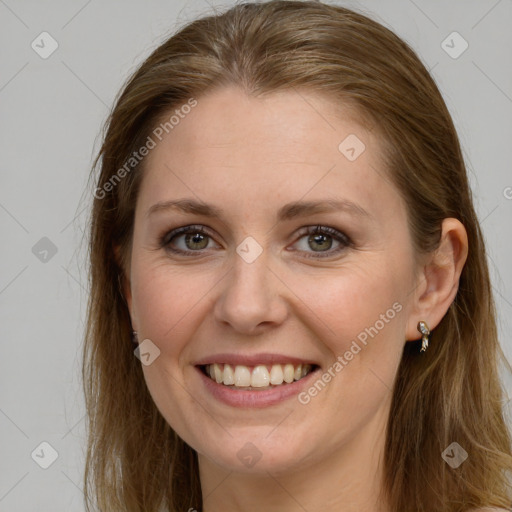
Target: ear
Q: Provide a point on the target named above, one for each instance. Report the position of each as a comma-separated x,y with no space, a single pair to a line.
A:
124,281
438,281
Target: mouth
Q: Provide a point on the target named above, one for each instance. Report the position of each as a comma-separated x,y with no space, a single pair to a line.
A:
259,377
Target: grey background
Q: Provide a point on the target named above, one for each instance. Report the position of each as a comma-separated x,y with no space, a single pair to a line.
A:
51,112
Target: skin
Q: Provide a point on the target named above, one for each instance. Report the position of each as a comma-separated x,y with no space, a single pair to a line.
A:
250,156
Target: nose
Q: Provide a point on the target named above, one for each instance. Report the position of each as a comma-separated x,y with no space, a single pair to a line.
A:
251,296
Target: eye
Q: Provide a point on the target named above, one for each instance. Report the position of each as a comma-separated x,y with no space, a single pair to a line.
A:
194,239
320,239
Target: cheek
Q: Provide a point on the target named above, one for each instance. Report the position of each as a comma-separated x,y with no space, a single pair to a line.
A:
166,301
361,317
354,300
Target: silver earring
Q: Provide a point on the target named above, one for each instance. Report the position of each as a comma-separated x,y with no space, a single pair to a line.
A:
425,333
135,339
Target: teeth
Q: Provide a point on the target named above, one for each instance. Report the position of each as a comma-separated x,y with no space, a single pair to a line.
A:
288,373
276,375
259,376
218,373
242,376
229,375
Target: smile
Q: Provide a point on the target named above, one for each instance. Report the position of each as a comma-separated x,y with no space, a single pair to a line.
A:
256,377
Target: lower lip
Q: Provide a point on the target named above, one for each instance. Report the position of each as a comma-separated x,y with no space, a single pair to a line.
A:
230,395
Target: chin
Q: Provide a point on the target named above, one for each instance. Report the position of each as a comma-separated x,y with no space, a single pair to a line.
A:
256,454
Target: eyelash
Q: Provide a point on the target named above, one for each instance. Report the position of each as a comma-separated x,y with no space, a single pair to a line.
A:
166,239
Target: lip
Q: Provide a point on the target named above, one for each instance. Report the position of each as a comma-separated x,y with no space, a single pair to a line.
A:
229,395
252,360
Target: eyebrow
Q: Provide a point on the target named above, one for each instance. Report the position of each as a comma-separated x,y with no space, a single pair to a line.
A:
287,212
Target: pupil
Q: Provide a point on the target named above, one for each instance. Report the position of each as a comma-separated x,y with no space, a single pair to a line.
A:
196,238
319,238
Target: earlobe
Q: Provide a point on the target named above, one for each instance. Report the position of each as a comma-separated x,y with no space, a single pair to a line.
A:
440,278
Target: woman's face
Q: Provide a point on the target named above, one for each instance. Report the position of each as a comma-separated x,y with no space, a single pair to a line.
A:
256,291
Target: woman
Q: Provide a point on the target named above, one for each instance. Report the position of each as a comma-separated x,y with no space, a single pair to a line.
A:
283,224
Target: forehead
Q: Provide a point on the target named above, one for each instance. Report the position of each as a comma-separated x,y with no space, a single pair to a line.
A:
280,147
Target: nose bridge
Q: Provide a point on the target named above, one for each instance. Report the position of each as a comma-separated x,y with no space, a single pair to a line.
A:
250,294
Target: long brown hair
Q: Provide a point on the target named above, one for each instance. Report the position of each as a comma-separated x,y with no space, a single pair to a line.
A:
135,461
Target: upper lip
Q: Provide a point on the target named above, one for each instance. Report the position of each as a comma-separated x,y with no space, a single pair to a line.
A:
252,359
